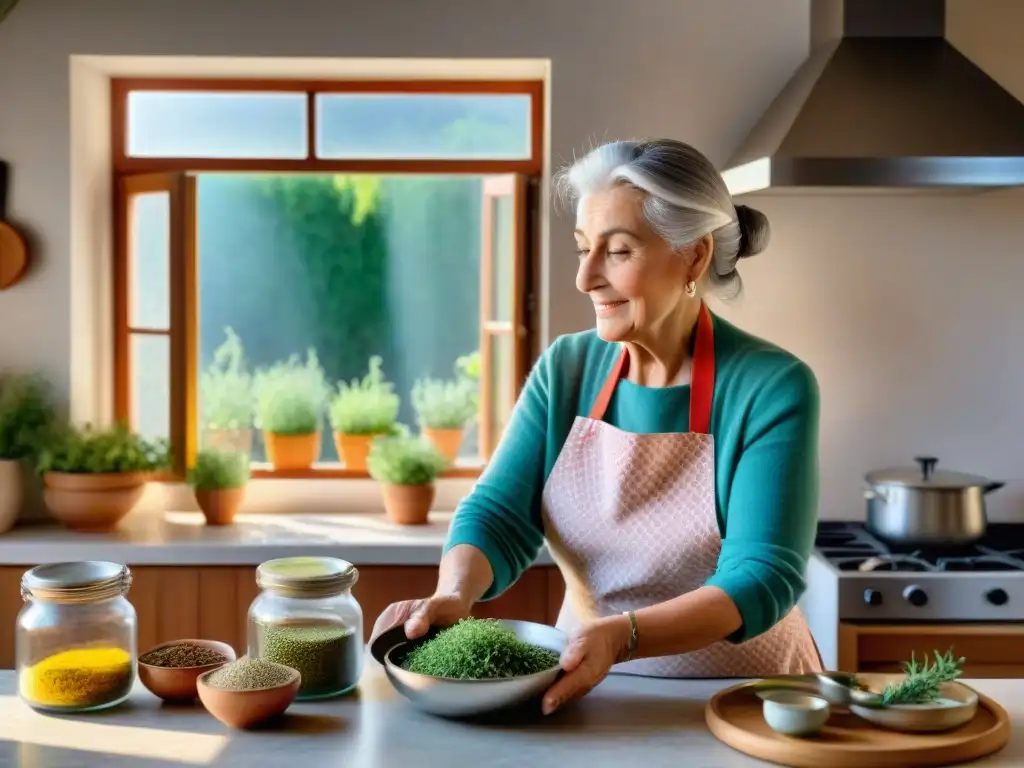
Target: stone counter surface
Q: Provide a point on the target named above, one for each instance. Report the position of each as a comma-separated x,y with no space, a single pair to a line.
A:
182,538
625,722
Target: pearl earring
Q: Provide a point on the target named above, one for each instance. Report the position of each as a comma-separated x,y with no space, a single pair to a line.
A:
691,289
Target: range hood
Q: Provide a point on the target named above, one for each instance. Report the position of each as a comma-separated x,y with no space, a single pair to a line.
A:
883,102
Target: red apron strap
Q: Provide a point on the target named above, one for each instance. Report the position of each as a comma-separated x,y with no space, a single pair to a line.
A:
702,378
702,385
619,371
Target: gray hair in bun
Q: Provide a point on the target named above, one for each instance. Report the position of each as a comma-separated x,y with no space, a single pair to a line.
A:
686,199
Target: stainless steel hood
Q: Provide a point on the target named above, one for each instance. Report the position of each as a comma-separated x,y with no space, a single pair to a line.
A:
887,102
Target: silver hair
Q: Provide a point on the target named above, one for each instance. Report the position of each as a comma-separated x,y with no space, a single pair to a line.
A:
685,199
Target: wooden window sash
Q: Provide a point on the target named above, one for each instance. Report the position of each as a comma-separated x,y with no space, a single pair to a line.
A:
181,192
516,187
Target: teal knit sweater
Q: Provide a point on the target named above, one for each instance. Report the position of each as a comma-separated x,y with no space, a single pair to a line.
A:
765,423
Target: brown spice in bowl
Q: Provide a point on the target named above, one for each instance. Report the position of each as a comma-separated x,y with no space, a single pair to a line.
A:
182,655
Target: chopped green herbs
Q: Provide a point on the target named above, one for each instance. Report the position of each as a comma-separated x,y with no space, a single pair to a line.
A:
924,680
478,649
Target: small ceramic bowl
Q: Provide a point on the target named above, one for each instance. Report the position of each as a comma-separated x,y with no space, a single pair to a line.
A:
793,713
247,708
179,683
958,706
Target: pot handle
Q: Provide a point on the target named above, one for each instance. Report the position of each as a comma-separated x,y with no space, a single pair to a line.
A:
927,465
993,486
870,492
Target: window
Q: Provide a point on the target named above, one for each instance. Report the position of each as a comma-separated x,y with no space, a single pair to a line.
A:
325,224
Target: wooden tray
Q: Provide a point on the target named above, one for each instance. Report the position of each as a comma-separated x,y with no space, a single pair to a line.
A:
734,716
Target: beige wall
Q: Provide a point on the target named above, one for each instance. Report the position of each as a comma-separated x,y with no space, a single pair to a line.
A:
903,306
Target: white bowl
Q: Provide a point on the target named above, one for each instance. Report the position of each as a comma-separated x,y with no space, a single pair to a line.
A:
793,713
958,706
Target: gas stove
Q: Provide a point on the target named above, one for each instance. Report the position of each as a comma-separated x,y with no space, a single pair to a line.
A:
874,581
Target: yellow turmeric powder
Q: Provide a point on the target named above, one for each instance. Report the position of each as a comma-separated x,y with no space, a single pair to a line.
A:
82,678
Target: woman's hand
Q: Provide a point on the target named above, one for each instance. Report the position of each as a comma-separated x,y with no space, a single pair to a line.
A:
588,658
419,615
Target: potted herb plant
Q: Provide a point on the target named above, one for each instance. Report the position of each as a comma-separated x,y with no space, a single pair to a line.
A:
94,476
443,409
406,468
226,398
218,480
290,398
361,411
27,415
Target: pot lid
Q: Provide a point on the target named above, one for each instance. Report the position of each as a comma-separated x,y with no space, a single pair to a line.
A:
925,476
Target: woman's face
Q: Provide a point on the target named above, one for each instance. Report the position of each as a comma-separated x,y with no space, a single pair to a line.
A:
635,279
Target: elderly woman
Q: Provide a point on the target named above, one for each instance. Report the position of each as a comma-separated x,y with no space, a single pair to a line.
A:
668,458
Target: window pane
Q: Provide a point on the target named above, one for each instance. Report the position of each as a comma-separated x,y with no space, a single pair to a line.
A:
350,265
503,254
216,124
149,261
151,385
423,126
502,361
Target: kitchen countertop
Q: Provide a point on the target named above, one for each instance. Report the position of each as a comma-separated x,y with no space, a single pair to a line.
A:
623,721
182,538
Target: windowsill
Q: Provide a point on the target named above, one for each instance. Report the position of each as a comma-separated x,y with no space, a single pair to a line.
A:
330,470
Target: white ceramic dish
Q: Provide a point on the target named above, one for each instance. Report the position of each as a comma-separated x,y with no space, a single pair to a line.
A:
793,713
957,707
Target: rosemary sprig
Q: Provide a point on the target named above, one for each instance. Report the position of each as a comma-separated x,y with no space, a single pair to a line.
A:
923,681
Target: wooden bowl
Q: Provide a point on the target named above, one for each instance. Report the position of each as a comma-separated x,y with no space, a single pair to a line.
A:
179,683
247,708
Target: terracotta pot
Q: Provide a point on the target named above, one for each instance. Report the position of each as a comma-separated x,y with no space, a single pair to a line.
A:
407,504
12,493
353,449
247,708
447,441
229,440
292,451
97,502
221,505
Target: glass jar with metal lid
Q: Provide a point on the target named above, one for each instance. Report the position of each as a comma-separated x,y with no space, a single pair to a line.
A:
75,637
306,618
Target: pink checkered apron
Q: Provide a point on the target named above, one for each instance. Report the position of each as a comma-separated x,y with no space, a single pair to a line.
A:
630,520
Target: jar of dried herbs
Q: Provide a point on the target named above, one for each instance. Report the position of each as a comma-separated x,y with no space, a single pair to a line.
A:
306,618
75,637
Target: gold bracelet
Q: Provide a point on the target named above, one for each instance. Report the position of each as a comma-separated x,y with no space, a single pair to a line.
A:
634,635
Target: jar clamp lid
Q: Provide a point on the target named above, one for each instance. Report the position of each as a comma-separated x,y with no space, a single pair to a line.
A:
86,581
307,576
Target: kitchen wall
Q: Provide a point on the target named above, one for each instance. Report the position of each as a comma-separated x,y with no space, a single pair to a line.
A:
904,306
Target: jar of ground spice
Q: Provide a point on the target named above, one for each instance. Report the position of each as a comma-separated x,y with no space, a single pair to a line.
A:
75,637
306,618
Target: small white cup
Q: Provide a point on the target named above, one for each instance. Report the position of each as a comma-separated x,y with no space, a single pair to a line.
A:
793,713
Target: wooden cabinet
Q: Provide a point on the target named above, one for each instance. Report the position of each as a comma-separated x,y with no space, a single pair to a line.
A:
990,650
211,603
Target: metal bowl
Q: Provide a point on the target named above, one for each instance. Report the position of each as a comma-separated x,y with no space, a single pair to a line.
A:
449,697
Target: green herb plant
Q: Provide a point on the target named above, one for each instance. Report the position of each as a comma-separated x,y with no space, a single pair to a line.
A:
404,460
218,470
923,681
468,366
443,404
368,406
290,396
103,450
27,416
478,649
226,387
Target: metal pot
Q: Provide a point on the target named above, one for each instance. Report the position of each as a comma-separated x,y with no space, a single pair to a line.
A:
922,506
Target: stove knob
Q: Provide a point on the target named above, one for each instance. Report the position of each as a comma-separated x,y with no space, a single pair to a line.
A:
997,596
872,597
915,596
